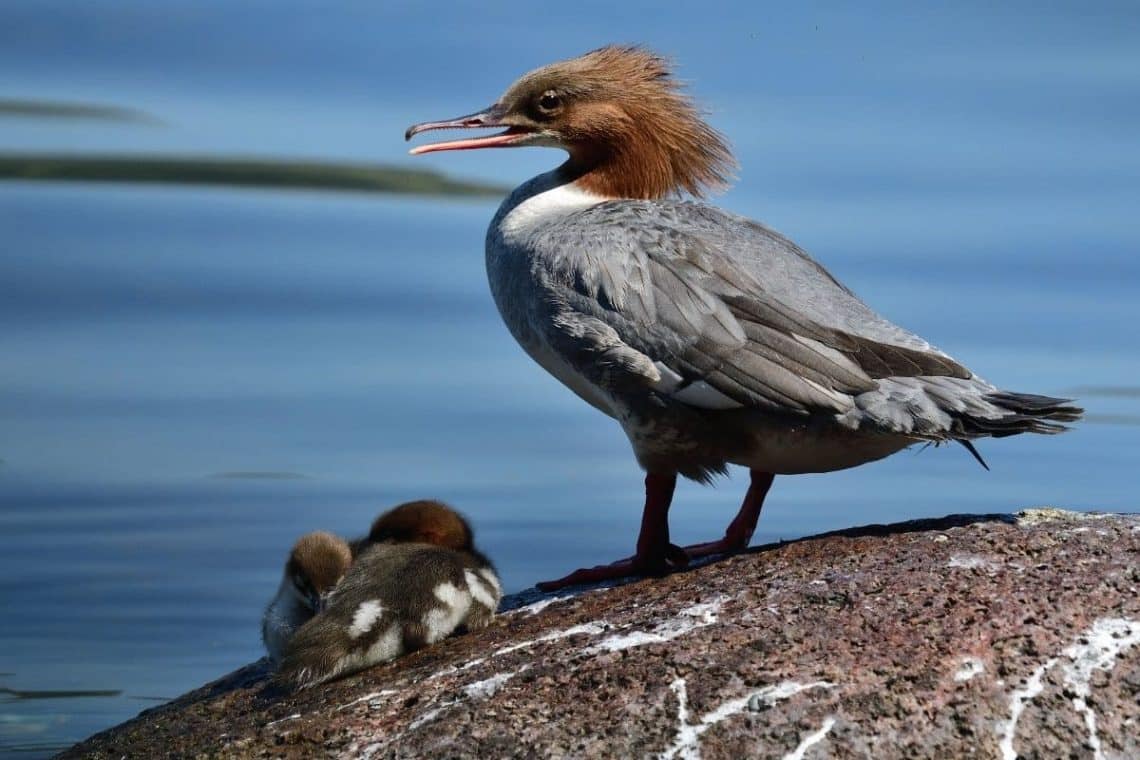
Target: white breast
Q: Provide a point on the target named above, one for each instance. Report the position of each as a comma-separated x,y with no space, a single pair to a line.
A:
536,203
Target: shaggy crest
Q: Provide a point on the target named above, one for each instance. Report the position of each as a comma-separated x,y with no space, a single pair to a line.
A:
631,130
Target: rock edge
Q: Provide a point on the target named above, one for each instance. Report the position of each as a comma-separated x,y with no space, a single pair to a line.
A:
997,636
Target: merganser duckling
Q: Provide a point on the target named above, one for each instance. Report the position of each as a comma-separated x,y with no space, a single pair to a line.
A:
423,522
417,581
316,563
710,338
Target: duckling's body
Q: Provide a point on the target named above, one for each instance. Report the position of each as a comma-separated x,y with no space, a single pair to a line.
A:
316,564
397,597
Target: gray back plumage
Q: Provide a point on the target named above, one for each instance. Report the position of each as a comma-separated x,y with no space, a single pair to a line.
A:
679,304
722,299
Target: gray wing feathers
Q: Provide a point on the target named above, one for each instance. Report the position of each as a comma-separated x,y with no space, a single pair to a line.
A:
587,341
677,288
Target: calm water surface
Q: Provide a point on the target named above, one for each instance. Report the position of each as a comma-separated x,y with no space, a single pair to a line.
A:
191,378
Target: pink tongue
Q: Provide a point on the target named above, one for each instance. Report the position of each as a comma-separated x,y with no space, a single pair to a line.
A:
501,140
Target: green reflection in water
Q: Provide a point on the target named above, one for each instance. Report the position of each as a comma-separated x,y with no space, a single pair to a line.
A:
55,109
240,172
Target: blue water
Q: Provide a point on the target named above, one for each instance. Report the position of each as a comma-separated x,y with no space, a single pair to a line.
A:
190,378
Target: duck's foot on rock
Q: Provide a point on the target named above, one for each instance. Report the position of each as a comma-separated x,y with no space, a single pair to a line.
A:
673,558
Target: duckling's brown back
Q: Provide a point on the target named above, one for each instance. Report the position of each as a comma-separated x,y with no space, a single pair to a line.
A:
396,598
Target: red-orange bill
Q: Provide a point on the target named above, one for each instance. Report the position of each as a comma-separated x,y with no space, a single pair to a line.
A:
480,120
501,140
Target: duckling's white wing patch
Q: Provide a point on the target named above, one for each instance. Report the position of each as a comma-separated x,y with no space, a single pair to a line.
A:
441,621
492,579
365,617
481,590
388,646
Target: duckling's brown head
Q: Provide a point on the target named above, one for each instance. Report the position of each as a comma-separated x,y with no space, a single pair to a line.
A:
317,562
424,522
629,128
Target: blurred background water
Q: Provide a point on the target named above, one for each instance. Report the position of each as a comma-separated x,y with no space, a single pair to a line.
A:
191,377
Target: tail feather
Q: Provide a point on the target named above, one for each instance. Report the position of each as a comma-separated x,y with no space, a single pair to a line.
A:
322,650
1027,413
309,661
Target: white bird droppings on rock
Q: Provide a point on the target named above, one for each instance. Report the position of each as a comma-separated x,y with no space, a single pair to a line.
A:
1017,702
686,744
592,628
1096,649
970,562
687,621
488,686
812,739
970,667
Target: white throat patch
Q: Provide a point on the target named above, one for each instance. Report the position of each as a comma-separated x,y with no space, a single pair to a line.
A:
535,202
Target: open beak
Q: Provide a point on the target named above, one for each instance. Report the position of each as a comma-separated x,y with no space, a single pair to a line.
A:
492,117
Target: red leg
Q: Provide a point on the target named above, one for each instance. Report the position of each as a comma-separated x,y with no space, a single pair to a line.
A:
740,530
655,555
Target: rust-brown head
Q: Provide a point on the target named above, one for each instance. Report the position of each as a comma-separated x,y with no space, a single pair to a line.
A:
316,564
630,130
422,522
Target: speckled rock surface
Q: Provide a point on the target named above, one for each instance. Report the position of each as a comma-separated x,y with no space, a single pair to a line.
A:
987,636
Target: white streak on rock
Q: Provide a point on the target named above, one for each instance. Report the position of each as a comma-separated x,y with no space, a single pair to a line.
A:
368,752
1096,650
687,742
294,716
1017,702
592,628
488,686
970,562
770,695
428,716
687,621
810,740
970,667
367,698
536,607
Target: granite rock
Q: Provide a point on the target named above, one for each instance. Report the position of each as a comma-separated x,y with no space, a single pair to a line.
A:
991,636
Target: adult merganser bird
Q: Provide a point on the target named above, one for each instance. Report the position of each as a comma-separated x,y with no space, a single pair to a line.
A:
417,580
316,563
710,338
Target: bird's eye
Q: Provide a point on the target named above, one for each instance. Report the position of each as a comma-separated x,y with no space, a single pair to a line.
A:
549,100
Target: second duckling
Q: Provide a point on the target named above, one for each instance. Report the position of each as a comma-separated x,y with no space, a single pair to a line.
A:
316,563
417,580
